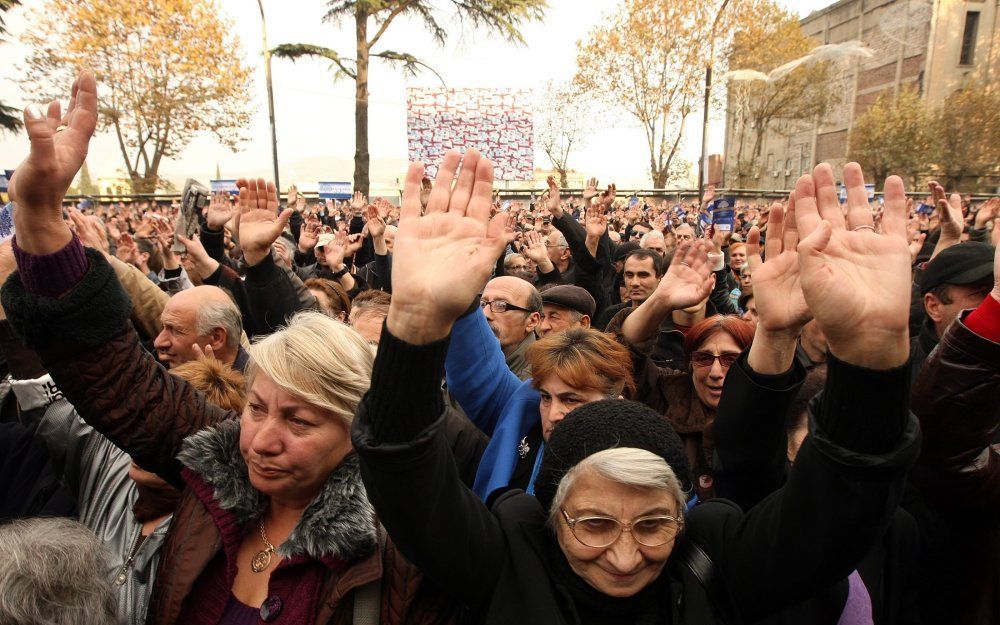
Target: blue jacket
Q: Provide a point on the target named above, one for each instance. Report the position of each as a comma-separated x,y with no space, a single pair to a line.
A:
501,405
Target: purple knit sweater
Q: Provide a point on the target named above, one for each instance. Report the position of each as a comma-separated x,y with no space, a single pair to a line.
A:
54,274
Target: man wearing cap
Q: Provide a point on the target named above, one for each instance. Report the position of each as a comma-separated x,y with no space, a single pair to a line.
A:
565,307
957,279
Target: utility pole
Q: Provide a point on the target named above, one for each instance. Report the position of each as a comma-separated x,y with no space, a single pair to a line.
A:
708,95
270,97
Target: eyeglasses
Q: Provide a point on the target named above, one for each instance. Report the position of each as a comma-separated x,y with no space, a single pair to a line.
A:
499,306
599,532
707,359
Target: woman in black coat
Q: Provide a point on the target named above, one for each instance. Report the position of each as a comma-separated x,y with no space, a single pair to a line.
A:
564,556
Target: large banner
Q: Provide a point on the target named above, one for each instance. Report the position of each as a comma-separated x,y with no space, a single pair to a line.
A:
498,122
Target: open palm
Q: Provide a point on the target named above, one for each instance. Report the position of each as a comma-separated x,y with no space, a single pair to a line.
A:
260,223
777,283
58,148
856,282
689,280
442,260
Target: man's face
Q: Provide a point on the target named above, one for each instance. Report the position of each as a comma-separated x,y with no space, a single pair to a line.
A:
558,318
639,231
174,342
557,252
368,324
962,296
510,326
640,279
751,312
684,234
657,245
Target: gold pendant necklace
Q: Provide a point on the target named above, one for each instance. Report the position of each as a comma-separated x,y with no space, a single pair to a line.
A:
262,560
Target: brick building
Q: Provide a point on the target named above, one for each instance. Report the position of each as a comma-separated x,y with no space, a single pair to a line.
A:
933,45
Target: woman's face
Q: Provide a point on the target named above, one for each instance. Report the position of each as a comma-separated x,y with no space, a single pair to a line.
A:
625,567
290,447
558,398
708,379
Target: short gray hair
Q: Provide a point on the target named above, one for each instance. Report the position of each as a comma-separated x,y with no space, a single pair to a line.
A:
626,465
652,234
55,572
219,314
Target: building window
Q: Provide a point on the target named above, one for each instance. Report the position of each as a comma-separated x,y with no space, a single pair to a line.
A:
968,56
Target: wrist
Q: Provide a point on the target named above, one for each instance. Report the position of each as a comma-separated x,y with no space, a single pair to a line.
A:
416,326
42,237
253,256
873,349
772,351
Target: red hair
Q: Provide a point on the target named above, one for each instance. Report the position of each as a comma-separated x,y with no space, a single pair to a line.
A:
741,331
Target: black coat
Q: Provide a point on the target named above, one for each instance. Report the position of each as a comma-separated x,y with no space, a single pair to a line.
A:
501,563
751,463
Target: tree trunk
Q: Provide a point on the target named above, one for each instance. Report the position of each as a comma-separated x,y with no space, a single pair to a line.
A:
361,157
563,181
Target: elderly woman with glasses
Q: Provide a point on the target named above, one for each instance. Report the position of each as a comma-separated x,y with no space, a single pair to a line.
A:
606,539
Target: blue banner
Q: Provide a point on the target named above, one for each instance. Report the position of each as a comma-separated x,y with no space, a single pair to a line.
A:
869,187
4,181
723,213
925,209
223,186
335,190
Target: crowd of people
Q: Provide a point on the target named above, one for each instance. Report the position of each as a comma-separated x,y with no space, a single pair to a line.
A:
459,409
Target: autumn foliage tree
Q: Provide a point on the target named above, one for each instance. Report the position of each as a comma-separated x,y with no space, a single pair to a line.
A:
562,122
372,18
650,60
9,117
763,44
893,136
966,135
168,69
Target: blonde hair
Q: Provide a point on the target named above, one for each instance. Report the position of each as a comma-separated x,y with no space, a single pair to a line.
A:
221,384
318,359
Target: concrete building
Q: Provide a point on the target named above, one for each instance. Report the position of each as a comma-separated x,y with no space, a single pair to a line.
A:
934,45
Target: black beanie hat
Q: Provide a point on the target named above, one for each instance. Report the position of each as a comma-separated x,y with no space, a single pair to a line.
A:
604,425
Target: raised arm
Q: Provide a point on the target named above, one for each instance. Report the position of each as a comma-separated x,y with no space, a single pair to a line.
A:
749,426
443,260
848,477
67,304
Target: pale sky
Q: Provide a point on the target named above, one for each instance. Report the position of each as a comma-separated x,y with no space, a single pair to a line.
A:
315,117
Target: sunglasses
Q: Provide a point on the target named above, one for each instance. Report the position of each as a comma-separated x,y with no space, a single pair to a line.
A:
707,359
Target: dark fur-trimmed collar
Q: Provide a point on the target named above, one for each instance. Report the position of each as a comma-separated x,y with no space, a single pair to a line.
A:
339,523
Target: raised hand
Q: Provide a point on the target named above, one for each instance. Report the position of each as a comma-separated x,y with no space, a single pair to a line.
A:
709,196
204,264
358,202
534,247
856,282
89,230
59,145
260,224
606,198
354,243
597,222
689,280
987,212
376,224
219,212
590,190
777,283
309,235
949,212
443,259
553,203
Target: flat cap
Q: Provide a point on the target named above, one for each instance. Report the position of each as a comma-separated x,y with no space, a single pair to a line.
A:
572,297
